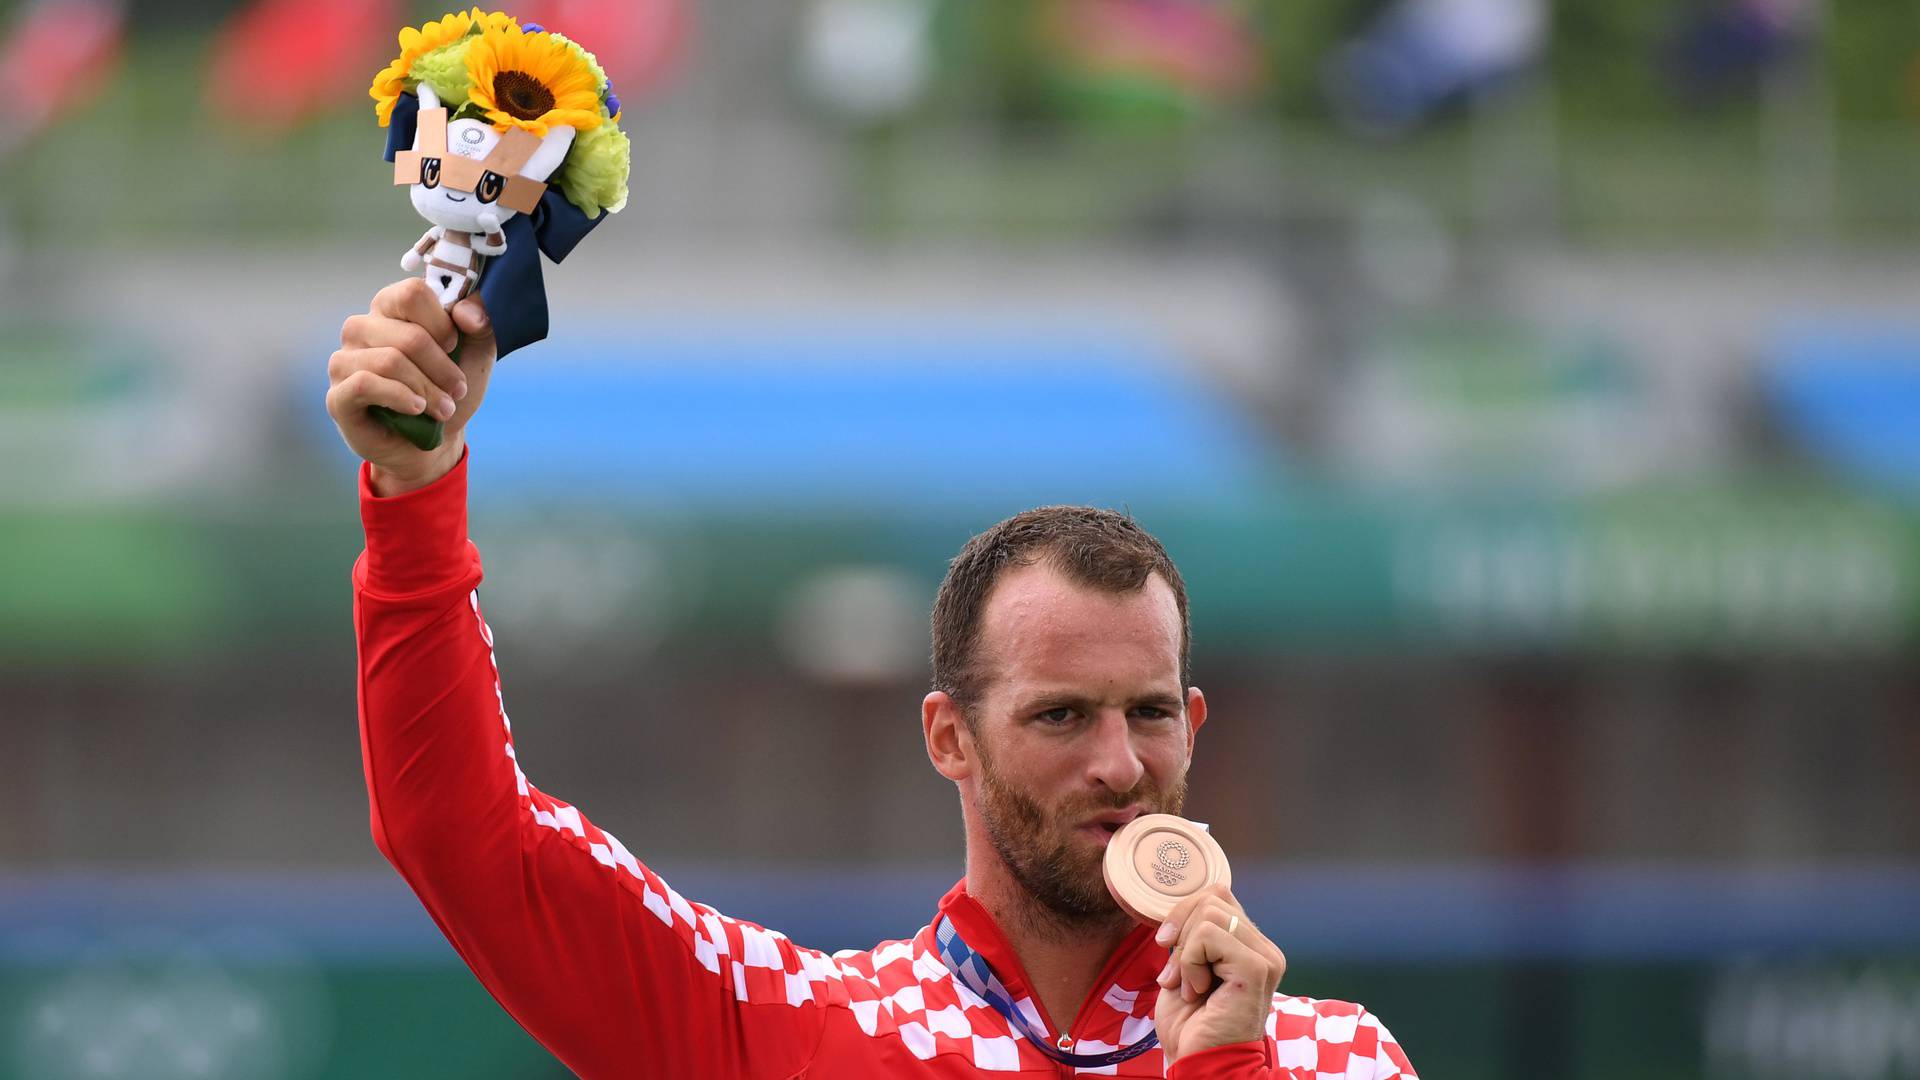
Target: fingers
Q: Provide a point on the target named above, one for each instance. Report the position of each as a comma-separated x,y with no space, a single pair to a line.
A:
1185,911
476,329
1207,945
413,340
1210,955
392,365
1191,970
423,345
413,301
1209,932
350,397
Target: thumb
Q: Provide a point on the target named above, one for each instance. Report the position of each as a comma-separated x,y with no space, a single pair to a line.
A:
476,329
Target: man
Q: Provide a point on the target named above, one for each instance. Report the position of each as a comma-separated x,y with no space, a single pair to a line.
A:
1061,710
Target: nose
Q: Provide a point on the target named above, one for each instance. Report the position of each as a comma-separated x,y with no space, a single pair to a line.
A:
1112,759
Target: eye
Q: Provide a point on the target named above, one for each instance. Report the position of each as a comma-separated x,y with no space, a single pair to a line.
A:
1058,715
491,184
1152,712
430,172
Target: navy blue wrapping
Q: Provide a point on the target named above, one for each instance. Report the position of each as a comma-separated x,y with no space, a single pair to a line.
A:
511,284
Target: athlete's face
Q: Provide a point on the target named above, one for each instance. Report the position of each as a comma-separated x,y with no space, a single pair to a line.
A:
1082,725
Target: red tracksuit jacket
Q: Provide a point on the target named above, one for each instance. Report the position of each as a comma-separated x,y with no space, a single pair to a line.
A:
619,975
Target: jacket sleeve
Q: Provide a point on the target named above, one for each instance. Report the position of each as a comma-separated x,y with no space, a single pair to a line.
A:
1349,1043
584,946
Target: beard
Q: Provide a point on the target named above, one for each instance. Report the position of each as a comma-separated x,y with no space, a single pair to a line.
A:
1059,872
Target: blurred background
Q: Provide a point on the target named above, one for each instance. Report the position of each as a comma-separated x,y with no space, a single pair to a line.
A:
1529,392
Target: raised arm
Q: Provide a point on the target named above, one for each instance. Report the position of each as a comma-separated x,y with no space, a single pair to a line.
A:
588,949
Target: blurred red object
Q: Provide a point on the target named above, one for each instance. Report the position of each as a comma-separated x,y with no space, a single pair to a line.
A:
637,41
57,57
1201,47
278,62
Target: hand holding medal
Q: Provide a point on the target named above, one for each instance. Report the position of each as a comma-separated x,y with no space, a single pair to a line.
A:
1217,988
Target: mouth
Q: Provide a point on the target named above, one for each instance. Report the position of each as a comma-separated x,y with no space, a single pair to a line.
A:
1102,827
451,197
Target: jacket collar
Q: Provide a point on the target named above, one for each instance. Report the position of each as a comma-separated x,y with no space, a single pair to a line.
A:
1127,978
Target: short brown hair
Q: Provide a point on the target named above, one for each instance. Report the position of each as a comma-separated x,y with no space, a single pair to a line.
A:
1099,549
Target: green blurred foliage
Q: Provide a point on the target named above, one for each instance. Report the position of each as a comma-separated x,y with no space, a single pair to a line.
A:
1873,61
1605,61
1296,38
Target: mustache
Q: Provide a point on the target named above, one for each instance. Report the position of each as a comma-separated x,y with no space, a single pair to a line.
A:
1145,794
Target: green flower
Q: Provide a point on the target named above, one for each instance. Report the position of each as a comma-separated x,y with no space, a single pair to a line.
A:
445,69
595,175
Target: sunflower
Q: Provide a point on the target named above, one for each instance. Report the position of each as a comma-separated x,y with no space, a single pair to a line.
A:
414,43
492,20
581,54
531,81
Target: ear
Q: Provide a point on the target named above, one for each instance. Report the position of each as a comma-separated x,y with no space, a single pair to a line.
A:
553,150
428,100
1196,715
949,743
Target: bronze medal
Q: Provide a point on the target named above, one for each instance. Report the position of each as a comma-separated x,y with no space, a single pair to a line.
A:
1158,860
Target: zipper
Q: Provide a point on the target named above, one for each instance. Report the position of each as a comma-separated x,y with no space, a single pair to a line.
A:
1102,982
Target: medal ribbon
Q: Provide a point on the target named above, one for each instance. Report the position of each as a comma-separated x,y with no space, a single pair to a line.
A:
971,969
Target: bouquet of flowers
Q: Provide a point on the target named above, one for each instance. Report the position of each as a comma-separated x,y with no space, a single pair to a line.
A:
507,136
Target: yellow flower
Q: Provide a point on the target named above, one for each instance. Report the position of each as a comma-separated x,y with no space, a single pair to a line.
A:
580,53
492,20
532,81
414,43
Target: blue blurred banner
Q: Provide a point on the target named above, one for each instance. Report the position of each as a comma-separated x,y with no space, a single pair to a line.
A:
1849,394
1338,914
774,416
